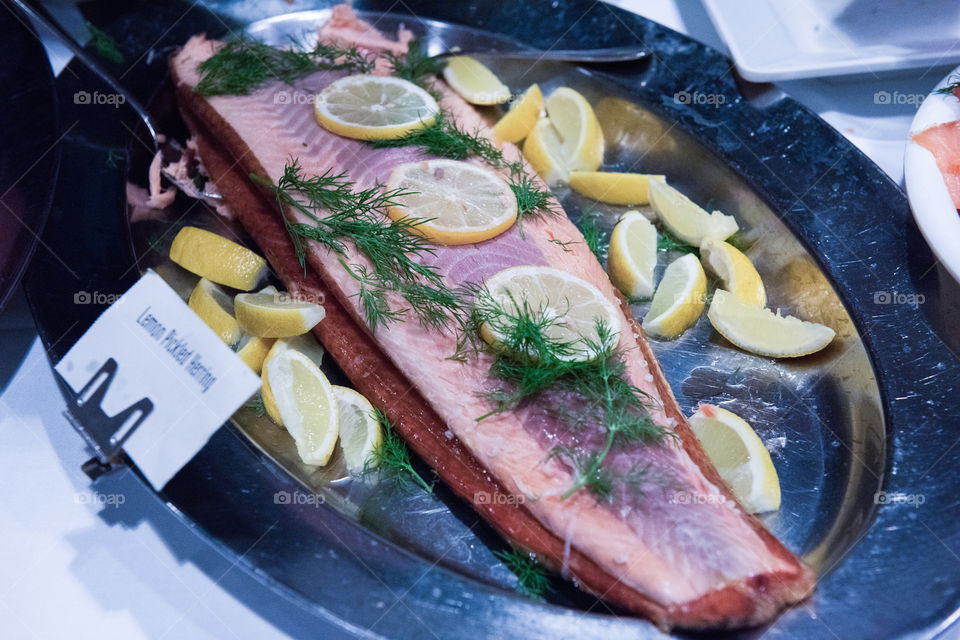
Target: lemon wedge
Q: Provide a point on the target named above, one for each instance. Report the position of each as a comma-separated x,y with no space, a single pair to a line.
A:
474,82
215,308
522,117
276,315
633,255
679,299
575,305
305,344
612,187
458,202
737,452
217,259
359,430
763,332
374,107
568,139
734,271
306,403
684,219
253,351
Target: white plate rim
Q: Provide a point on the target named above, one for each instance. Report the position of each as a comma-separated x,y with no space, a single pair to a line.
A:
755,66
930,202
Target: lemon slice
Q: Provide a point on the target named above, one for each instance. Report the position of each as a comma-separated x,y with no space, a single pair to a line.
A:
576,306
305,344
685,219
568,139
633,255
612,187
474,82
522,117
734,271
304,398
374,107
253,351
215,308
460,203
679,299
359,430
217,259
543,150
739,456
273,315
763,332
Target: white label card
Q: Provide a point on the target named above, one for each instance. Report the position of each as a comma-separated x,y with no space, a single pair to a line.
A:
166,353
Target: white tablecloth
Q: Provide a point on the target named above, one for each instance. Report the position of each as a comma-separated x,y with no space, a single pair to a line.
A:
70,567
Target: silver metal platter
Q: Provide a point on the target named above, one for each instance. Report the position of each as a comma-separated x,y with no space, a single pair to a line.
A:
860,433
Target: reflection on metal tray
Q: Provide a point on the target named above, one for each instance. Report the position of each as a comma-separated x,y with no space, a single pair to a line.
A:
352,558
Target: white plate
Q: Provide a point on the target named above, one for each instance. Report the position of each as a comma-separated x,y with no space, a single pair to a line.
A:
929,199
788,39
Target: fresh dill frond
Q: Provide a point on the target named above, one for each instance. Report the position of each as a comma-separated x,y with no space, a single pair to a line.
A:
392,458
105,45
444,139
666,241
533,580
340,213
242,65
592,234
530,361
950,88
565,245
112,157
532,198
591,474
256,403
415,66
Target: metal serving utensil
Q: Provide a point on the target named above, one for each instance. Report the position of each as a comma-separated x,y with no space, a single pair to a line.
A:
41,15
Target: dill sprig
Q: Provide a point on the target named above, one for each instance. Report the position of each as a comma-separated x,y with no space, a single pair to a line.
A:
256,403
105,45
666,241
533,580
415,66
592,234
530,361
341,213
242,65
950,88
391,457
444,139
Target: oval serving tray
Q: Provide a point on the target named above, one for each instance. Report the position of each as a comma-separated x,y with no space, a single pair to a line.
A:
863,426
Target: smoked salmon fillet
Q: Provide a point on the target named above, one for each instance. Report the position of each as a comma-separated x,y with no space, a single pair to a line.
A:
679,550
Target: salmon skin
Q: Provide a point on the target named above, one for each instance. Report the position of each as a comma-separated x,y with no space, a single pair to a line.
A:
679,550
